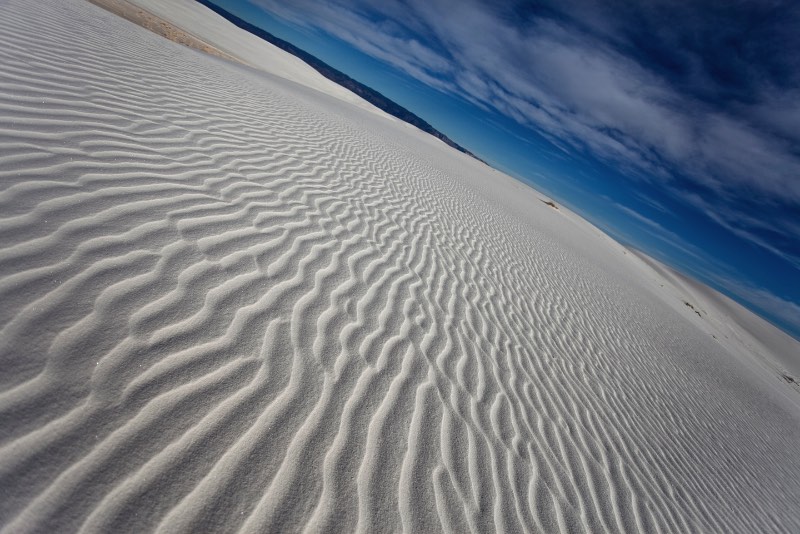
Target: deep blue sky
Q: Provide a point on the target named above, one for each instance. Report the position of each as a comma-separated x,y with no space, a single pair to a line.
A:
672,125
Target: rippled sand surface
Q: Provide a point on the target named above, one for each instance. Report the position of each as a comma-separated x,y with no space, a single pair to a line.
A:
229,302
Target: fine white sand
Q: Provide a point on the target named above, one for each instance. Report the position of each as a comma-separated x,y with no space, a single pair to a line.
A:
232,302
249,49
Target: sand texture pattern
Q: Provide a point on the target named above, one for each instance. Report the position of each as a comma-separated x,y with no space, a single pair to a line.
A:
230,302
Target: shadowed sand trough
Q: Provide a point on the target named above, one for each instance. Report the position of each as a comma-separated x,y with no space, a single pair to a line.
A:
231,302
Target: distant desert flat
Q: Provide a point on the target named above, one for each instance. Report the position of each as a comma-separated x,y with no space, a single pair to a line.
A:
235,298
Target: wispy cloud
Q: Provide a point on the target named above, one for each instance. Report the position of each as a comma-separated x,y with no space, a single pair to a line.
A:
573,72
663,234
762,231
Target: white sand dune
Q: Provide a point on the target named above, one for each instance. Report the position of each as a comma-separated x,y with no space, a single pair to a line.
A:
231,302
249,49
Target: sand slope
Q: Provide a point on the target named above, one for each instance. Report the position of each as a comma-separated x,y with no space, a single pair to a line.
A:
233,303
251,50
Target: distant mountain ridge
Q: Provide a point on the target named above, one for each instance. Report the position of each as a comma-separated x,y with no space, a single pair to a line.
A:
367,93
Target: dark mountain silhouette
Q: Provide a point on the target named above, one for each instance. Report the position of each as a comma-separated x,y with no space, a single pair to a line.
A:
370,95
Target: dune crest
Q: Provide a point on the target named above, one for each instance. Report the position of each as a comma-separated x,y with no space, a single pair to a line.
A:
231,302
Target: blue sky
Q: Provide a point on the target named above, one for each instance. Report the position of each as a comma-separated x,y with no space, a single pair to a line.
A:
672,125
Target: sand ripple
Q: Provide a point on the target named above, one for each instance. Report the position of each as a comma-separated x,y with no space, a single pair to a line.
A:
230,303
